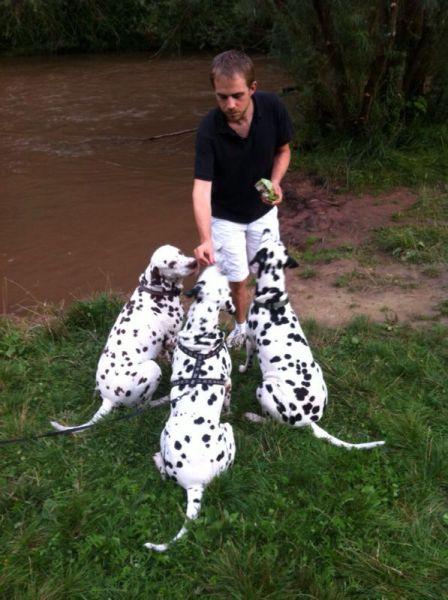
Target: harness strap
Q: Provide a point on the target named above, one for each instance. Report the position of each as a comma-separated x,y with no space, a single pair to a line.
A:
198,355
192,382
200,359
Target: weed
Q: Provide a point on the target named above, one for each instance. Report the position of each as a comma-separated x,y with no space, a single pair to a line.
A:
442,307
414,244
307,273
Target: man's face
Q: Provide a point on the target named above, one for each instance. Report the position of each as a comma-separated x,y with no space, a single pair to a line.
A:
233,96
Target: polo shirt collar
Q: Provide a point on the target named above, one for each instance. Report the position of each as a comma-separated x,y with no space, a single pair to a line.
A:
223,126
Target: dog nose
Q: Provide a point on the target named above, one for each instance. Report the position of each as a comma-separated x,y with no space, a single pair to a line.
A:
193,264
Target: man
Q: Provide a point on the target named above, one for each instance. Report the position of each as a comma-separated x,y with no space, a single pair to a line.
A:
243,140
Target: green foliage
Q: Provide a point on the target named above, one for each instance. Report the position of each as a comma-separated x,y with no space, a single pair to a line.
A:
293,518
364,69
99,25
414,244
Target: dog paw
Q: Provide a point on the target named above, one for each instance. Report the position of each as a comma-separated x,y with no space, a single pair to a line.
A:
156,547
253,417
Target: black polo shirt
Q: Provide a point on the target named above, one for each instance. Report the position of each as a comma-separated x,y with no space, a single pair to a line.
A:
234,164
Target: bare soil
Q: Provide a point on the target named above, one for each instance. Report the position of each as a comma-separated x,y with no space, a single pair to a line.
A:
386,290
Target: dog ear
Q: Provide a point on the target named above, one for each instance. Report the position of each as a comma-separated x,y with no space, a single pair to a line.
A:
193,293
291,262
155,276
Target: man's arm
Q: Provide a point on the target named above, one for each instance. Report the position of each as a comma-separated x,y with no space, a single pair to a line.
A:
281,163
202,209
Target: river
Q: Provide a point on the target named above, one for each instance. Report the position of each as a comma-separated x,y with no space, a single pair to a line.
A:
85,197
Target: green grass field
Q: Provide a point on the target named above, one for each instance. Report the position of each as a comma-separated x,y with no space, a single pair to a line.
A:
294,517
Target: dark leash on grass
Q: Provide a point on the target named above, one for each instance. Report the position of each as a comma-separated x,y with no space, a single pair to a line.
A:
52,433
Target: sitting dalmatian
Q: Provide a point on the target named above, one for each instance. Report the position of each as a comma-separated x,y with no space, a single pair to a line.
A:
293,390
195,446
147,325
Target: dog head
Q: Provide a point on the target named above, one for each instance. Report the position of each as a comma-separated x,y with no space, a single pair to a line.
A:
271,257
212,286
169,265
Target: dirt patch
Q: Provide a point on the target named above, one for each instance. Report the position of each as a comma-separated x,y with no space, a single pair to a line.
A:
333,293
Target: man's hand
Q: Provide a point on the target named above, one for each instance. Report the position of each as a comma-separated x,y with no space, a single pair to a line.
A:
204,254
277,190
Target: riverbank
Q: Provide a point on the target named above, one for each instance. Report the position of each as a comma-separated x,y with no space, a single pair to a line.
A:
379,255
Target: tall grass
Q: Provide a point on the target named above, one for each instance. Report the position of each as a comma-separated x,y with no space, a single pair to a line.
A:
419,156
293,518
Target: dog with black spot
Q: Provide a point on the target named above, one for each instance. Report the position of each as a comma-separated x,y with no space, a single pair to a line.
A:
127,374
195,446
293,390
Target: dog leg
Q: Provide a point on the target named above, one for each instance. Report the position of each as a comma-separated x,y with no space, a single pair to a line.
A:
105,408
227,395
160,464
250,351
322,434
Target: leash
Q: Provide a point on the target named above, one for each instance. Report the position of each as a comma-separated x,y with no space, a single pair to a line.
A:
53,433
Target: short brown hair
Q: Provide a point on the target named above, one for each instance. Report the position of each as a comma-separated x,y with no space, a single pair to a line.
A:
231,63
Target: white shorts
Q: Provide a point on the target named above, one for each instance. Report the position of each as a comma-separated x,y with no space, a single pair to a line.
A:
237,243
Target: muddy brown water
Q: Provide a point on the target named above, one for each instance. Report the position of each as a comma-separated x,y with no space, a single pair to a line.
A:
84,199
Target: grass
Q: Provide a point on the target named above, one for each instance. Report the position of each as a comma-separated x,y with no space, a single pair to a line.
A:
294,517
312,256
419,235
419,156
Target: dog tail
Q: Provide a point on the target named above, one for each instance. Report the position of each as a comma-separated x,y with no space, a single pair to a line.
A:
104,410
194,498
322,434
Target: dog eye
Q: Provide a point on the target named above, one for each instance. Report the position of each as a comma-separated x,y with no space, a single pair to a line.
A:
172,264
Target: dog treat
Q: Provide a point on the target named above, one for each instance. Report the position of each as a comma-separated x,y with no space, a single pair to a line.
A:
264,186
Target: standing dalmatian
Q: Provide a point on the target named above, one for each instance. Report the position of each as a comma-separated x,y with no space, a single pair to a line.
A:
147,325
195,446
293,390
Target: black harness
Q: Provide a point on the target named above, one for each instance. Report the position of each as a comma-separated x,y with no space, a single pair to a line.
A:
200,360
272,305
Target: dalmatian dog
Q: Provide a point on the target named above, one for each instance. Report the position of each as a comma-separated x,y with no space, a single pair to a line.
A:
127,374
195,446
293,389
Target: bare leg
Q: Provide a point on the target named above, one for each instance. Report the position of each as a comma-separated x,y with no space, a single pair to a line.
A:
240,297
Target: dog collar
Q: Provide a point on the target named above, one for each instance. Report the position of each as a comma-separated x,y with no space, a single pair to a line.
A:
159,293
271,305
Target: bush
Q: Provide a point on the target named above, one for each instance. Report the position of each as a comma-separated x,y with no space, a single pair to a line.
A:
365,68
30,26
